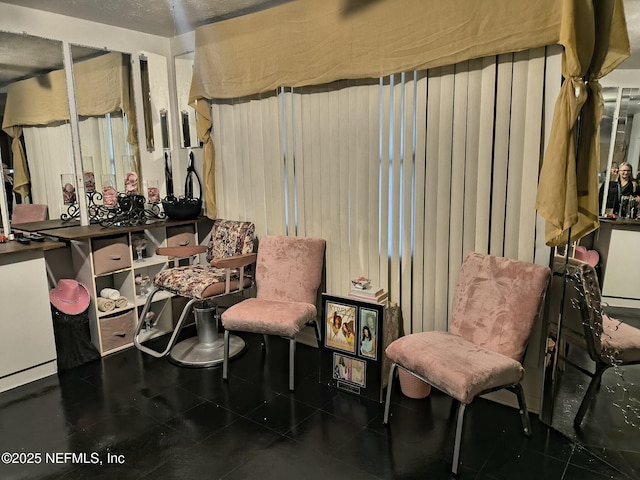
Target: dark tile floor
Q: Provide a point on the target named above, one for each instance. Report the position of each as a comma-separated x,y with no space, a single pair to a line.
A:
611,426
130,415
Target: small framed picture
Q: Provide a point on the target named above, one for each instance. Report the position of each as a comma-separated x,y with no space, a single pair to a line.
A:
368,333
349,369
340,327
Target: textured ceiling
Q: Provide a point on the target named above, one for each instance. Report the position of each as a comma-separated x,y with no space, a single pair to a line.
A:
23,56
165,18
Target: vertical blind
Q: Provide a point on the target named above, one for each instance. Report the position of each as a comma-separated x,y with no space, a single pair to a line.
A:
403,176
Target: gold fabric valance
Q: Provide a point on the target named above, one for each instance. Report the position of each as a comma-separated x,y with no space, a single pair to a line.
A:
102,86
311,42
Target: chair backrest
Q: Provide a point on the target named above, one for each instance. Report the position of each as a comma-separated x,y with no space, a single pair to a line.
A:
577,282
229,238
497,302
29,212
289,268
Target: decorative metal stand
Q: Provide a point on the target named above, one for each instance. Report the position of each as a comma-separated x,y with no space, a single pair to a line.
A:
130,211
95,209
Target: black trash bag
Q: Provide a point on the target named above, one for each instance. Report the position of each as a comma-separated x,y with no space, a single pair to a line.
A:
73,339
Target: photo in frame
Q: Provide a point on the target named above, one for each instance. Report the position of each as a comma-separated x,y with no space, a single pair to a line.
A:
340,320
352,356
349,369
368,333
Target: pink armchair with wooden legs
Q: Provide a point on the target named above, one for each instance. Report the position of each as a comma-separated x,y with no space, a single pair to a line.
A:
288,274
496,304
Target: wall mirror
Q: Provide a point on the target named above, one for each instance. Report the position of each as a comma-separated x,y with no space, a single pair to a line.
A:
107,126
33,95
187,115
619,142
611,426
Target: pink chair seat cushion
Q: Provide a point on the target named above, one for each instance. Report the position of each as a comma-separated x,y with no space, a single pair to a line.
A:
197,281
454,365
269,317
620,341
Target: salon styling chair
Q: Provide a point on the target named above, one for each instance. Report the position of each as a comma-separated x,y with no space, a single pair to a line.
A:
288,275
229,256
608,342
496,304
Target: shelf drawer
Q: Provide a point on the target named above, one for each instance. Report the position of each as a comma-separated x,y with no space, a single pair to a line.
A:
111,254
181,236
117,331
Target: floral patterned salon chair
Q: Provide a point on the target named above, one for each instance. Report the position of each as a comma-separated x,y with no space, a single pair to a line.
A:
229,256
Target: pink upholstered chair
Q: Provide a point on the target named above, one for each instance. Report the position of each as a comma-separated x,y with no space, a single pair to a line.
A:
288,274
229,254
29,212
609,342
496,303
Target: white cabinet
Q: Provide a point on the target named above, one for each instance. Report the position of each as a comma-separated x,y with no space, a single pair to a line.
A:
106,258
27,347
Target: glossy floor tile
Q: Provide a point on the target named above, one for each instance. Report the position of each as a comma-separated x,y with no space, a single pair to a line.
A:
131,416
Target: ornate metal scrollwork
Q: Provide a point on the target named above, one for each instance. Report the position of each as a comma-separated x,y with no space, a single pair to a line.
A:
130,211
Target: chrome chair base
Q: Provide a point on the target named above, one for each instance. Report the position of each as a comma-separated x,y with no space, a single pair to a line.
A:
193,353
206,349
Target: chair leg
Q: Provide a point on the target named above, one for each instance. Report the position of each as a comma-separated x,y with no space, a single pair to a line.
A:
316,327
392,371
225,360
524,413
174,335
458,440
265,343
590,394
292,363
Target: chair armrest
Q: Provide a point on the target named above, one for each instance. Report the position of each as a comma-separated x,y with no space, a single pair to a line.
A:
185,251
235,262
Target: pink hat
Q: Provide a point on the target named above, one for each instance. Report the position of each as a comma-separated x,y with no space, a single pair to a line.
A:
588,256
69,297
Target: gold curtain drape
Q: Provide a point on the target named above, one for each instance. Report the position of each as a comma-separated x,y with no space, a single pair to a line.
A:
310,42
595,43
102,86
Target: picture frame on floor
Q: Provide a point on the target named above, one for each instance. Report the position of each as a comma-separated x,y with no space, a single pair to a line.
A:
351,347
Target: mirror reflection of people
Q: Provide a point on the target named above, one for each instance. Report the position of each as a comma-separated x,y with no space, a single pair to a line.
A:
620,184
628,185
367,343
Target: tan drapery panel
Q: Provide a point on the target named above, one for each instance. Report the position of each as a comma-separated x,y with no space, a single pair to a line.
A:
595,43
310,42
20,177
203,126
102,86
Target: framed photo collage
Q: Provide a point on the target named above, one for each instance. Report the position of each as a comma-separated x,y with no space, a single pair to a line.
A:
352,342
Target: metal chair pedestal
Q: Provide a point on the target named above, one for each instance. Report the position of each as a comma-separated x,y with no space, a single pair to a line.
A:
206,349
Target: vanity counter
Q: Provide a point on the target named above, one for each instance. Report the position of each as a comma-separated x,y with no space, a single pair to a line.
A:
14,247
96,231
617,243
